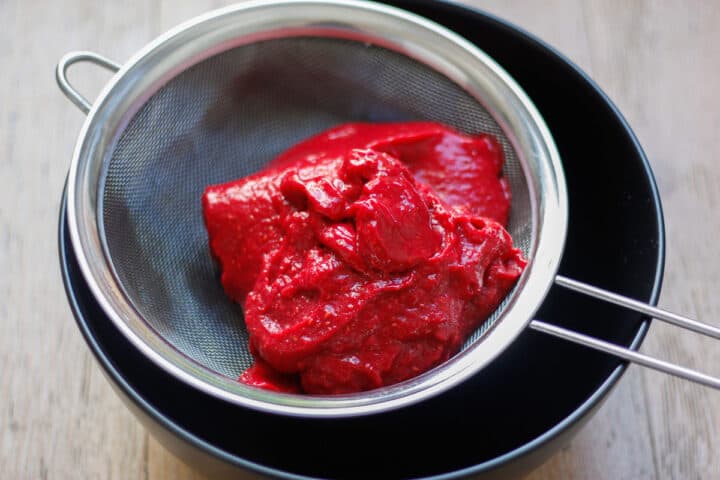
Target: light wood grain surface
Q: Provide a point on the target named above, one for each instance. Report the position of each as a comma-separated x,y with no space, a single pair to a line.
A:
658,60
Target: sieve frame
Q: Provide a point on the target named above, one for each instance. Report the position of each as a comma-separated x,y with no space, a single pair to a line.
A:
210,34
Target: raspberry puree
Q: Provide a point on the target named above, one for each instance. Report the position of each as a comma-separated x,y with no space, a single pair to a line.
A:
365,255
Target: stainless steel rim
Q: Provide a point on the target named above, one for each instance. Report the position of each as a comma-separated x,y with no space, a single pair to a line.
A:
217,31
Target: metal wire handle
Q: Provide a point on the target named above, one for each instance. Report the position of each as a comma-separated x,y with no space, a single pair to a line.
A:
626,353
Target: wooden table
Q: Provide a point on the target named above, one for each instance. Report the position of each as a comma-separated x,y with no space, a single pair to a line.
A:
658,60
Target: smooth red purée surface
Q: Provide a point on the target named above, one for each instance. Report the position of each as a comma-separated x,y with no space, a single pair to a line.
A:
365,255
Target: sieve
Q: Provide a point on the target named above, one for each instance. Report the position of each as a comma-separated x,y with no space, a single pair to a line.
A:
216,98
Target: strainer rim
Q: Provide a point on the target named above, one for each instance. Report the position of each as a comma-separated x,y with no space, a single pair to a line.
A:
340,406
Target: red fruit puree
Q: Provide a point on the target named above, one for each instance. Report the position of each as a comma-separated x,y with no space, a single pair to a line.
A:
365,255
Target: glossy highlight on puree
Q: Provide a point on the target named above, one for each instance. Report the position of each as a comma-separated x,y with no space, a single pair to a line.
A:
364,255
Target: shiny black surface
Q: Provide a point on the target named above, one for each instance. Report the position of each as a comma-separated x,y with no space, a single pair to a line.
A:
539,385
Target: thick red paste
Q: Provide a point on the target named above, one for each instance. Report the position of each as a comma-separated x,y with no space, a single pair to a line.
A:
365,255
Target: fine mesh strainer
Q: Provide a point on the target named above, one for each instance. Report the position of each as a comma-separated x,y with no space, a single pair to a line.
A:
214,100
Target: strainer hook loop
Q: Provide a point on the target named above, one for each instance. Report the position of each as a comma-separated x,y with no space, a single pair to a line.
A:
72,58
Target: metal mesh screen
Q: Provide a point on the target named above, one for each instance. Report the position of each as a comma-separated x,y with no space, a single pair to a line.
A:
223,119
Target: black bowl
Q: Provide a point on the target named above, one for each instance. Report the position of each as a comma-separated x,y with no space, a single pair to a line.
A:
516,412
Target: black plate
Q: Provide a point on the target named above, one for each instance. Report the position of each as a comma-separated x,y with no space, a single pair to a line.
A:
518,410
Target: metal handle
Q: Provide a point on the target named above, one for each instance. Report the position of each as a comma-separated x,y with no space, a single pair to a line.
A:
61,75
626,353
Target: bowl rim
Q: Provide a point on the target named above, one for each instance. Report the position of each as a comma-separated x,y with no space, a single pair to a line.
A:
565,424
